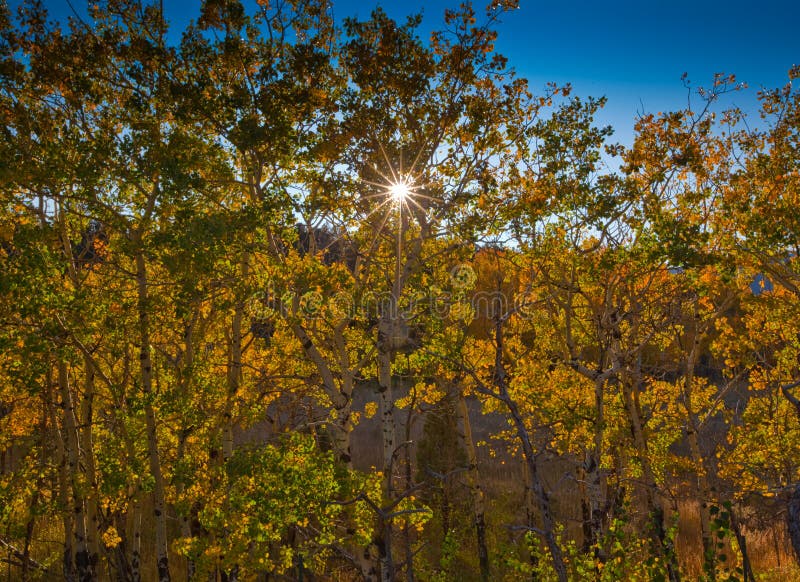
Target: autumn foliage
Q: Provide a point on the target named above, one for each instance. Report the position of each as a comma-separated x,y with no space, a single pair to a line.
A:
228,352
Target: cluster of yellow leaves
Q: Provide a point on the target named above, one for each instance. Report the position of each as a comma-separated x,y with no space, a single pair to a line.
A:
111,538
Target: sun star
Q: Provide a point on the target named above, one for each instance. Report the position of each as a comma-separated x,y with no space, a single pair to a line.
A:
399,191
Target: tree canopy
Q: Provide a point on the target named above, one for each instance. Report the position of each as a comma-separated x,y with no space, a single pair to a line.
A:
283,297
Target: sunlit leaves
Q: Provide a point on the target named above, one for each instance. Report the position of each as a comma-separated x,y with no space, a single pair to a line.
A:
266,494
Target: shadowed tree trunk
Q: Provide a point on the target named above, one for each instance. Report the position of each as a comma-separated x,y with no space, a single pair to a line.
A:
793,520
793,505
747,567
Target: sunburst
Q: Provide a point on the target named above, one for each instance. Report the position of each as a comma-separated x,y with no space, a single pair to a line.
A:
399,189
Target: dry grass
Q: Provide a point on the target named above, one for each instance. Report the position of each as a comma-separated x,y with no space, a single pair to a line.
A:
768,546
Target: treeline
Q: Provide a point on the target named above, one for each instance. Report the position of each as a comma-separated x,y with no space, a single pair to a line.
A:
214,242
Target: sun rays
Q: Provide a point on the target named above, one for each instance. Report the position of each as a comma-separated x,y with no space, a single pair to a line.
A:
392,198
399,190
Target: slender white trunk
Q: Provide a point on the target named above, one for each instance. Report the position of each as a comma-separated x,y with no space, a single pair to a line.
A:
72,450
68,517
146,376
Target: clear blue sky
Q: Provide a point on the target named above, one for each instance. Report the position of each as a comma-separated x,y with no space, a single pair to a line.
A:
634,52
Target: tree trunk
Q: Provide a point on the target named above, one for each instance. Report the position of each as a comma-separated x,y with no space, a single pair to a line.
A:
386,399
127,555
703,493
747,568
136,535
540,496
409,483
531,513
67,516
185,375
793,520
343,424
662,547
26,559
129,524
473,482
72,447
340,434
71,443
90,467
702,489
185,516
146,373
596,500
340,393
234,375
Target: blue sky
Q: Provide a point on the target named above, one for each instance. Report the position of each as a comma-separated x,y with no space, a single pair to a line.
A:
633,52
